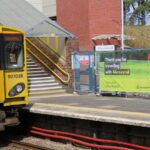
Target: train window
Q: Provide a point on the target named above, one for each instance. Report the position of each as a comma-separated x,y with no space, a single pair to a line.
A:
13,50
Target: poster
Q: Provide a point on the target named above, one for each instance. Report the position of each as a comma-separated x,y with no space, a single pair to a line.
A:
84,59
127,71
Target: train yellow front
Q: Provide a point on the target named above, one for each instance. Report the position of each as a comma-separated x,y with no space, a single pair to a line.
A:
13,75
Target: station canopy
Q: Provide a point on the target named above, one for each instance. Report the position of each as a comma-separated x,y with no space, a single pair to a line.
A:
21,14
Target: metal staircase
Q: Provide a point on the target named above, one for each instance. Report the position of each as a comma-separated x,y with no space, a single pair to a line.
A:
41,84
48,60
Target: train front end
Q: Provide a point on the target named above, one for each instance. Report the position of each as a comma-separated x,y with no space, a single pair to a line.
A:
13,75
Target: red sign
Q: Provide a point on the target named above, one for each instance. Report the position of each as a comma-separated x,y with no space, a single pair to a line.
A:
84,60
148,56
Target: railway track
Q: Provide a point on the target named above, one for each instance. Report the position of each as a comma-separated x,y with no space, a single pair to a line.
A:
86,141
26,146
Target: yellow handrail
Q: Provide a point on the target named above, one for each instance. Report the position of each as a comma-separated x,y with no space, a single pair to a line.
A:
62,57
47,67
47,44
66,73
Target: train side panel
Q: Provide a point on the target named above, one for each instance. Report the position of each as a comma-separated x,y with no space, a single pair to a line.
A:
2,96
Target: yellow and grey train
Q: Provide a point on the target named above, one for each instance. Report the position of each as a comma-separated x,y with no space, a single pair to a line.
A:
13,75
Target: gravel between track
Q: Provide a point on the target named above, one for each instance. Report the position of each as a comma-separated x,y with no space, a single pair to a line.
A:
42,142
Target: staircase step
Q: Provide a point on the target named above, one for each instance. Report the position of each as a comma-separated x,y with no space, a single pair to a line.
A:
47,92
44,88
38,75
28,59
37,68
30,62
41,78
35,71
40,81
43,85
29,66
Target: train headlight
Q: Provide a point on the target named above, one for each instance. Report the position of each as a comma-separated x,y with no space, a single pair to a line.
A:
12,93
18,88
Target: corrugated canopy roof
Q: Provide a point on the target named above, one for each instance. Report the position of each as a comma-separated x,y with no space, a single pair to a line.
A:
20,14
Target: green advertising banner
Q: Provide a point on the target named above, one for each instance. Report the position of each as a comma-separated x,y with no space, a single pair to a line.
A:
127,71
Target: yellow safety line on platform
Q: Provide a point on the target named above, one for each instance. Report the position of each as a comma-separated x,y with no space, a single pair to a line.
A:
47,92
96,109
49,96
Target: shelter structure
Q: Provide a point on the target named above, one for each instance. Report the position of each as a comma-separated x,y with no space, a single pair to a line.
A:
20,14
111,39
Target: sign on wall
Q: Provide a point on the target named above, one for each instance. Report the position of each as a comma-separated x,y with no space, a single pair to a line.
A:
102,48
127,71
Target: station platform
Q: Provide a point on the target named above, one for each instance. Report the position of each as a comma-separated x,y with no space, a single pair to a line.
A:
120,110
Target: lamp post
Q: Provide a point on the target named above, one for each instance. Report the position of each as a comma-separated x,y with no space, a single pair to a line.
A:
122,25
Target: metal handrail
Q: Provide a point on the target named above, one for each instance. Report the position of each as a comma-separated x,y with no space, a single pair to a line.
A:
62,57
64,72
53,72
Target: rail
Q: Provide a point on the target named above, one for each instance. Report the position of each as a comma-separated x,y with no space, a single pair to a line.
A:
58,67
53,49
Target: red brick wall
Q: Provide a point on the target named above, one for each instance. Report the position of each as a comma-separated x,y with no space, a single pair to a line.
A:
88,18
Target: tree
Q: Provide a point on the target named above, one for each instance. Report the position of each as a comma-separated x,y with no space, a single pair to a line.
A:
127,5
137,10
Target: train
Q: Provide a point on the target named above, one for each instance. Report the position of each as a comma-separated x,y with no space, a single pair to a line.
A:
13,75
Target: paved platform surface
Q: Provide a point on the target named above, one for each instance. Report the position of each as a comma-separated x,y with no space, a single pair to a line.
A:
128,111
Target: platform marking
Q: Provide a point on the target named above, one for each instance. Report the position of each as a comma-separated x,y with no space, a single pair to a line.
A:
48,96
46,92
95,109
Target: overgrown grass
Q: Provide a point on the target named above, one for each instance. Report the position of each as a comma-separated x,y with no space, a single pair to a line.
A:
141,34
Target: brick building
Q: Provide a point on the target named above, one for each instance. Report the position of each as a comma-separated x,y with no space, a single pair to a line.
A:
90,18
87,19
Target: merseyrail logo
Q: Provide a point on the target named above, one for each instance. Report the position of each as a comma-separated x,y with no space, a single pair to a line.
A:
15,76
121,72
117,72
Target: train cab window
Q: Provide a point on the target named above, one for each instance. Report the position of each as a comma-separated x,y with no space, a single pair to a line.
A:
13,50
